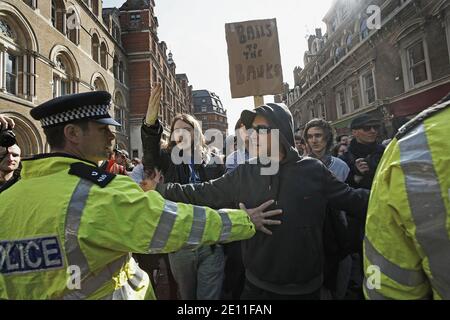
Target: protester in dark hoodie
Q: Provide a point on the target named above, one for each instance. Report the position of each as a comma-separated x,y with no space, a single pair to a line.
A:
288,263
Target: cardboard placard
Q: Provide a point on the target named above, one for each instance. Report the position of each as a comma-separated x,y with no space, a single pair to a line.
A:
254,58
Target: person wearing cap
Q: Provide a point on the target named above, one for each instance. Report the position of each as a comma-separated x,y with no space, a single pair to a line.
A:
362,157
286,262
68,228
363,153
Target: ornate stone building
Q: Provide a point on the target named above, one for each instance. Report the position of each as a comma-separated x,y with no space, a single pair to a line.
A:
57,47
392,70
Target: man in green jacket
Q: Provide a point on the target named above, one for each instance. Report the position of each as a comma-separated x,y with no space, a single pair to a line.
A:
68,228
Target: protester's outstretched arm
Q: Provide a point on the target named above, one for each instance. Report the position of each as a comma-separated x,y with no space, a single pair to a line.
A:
341,196
219,193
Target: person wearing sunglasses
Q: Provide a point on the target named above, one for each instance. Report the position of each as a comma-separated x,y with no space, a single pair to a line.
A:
364,153
284,261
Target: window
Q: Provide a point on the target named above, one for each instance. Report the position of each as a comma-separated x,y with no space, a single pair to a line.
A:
118,115
103,56
54,13
364,29
94,5
11,73
203,109
341,103
135,20
349,41
73,25
62,77
31,3
417,64
116,67
369,88
65,87
95,45
354,95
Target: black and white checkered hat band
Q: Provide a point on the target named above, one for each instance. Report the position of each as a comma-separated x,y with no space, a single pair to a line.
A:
94,112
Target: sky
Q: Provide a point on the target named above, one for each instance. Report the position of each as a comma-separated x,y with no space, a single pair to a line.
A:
194,31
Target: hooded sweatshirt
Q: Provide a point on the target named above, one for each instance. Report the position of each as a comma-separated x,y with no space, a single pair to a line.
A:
290,260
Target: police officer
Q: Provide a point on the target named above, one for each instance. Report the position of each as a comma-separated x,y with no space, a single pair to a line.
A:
67,227
407,245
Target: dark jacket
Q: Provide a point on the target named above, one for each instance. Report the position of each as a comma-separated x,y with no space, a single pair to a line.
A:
290,261
154,156
372,153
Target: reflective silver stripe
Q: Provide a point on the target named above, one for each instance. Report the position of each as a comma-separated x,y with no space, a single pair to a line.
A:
198,227
94,282
403,276
73,219
129,289
373,294
427,206
226,225
164,228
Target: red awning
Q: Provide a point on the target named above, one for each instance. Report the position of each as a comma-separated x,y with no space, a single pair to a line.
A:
419,102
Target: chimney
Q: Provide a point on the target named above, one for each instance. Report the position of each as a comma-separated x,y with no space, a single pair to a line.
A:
318,32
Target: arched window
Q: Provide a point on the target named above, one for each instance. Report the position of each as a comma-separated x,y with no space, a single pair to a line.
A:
95,47
99,84
103,56
73,24
64,76
17,64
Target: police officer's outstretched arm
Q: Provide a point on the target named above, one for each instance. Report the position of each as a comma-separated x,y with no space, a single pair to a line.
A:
144,222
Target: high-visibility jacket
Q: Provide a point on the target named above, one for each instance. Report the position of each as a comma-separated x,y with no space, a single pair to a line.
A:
67,230
407,245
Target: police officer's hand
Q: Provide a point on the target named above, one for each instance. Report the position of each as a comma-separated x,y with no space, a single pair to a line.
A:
362,166
6,123
153,105
258,216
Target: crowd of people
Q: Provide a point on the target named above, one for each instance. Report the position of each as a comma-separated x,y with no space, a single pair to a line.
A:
309,216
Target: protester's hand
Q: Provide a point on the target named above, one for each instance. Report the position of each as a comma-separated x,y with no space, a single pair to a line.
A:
151,180
258,216
6,122
362,166
153,105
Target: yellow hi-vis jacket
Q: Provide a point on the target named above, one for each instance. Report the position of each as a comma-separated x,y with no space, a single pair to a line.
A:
407,245
67,230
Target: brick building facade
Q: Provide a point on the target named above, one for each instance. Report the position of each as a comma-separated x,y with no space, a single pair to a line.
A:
392,71
149,63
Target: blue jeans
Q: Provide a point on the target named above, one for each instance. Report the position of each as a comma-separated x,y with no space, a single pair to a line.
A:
199,273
